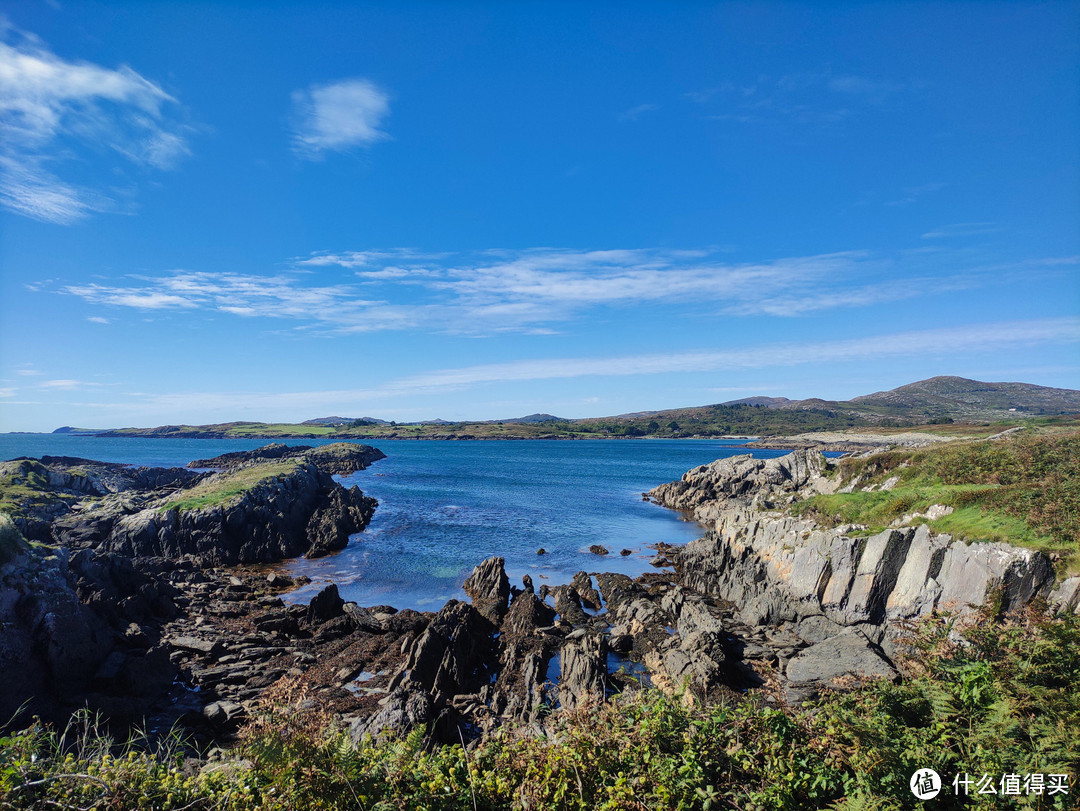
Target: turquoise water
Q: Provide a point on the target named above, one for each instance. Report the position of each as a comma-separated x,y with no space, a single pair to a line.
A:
445,506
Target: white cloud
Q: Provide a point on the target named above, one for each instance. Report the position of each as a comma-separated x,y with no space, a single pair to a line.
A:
533,291
947,341
97,319
66,385
338,116
962,229
950,343
52,109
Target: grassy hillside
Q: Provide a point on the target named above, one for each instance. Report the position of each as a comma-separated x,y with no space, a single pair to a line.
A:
1024,489
222,488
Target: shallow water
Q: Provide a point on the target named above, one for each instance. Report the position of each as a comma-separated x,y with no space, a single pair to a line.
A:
444,506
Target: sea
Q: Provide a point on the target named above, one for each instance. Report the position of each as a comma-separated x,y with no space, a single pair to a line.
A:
444,506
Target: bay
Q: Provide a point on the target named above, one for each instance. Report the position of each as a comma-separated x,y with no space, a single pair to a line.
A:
444,506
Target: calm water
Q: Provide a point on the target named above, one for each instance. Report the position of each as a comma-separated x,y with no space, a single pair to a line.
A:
445,506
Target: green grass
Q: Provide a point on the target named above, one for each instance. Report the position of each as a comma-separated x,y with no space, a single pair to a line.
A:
11,540
223,488
1024,489
24,486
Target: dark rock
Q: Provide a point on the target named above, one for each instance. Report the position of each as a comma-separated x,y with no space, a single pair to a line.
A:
489,589
455,654
590,597
401,711
626,552
206,647
364,619
225,714
568,605
597,549
326,605
279,581
541,551
527,613
527,582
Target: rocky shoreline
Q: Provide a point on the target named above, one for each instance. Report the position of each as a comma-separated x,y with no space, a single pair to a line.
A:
143,613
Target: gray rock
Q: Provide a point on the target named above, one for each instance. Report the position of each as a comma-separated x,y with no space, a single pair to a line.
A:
583,670
846,654
489,589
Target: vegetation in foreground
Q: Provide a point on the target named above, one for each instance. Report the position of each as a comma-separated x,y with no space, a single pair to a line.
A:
995,698
1023,489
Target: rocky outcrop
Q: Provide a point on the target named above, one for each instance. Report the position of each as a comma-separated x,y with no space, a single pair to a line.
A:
338,458
838,592
744,480
269,504
302,512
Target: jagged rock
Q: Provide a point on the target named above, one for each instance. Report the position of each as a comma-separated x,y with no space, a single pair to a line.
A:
489,589
568,605
401,711
326,605
456,653
590,597
364,619
527,613
583,669
597,549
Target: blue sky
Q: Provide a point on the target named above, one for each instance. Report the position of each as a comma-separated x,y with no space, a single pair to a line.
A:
215,211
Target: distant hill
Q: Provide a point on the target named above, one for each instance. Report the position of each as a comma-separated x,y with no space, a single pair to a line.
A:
768,402
934,401
345,421
960,397
534,419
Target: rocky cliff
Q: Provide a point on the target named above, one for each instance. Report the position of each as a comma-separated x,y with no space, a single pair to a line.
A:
840,592
262,506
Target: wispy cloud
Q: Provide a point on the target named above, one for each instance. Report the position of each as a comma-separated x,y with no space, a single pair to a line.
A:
962,229
634,113
534,291
952,343
53,110
65,385
805,99
912,194
338,116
